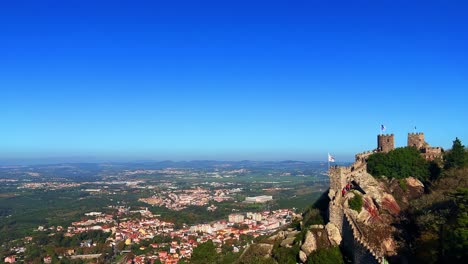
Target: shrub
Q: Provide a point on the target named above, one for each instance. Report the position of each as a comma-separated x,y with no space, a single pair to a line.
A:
399,163
355,203
312,216
402,183
330,255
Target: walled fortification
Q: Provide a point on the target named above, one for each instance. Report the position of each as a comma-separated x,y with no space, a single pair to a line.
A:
353,240
431,153
385,143
355,244
428,152
416,140
368,246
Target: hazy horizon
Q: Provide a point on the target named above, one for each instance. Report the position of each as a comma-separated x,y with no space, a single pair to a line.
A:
228,80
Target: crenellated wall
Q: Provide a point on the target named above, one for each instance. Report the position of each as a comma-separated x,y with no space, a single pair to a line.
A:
355,245
416,140
385,143
353,241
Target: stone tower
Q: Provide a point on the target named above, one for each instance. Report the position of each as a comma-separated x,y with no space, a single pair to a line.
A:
337,183
385,143
416,140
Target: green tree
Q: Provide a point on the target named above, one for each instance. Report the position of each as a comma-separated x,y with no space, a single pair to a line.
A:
435,170
355,203
204,253
439,221
285,255
457,156
455,234
399,163
330,255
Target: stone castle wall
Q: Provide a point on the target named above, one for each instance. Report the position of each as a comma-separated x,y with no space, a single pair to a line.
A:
430,153
355,245
416,140
385,143
353,241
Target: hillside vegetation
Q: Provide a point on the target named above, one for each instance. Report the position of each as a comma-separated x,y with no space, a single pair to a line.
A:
434,227
399,163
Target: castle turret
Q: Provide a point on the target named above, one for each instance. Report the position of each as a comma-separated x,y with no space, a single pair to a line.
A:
416,140
385,143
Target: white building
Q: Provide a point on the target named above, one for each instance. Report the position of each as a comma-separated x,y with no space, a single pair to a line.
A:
254,216
236,218
259,199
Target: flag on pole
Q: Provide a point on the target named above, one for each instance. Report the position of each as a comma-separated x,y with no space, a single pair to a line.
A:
383,128
331,158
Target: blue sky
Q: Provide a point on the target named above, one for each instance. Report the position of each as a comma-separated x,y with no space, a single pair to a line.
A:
265,80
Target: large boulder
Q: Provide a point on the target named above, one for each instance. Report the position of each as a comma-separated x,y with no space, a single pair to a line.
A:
390,204
310,243
288,242
317,227
369,212
279,236
333,234
292,233
364,216
302,256
265,249
370,185
389,246
415,187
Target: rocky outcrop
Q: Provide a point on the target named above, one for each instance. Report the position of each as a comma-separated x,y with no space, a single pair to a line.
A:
317,227
370,185
389,246
302,256
287,242
390,204
310,243
364,216
333,234
265,248
415,187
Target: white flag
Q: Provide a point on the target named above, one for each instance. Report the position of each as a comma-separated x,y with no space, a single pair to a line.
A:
331,158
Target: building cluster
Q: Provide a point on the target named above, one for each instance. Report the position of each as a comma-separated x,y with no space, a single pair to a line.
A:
48,185
168,171
132,231
177,200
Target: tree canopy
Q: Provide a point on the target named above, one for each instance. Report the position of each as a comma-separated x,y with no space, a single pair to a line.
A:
457,156
398,163
205,253
330,255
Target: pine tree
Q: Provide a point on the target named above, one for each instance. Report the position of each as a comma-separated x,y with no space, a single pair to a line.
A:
456,157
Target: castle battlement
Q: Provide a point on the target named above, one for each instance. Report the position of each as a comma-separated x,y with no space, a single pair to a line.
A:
359,237
340,176
416,133
385,143
386,135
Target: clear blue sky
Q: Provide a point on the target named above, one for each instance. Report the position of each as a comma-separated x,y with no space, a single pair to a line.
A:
261,80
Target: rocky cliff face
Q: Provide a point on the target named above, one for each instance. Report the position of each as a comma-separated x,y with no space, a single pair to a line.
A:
369,230
373,223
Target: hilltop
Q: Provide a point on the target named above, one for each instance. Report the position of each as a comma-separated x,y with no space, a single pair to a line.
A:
394,205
